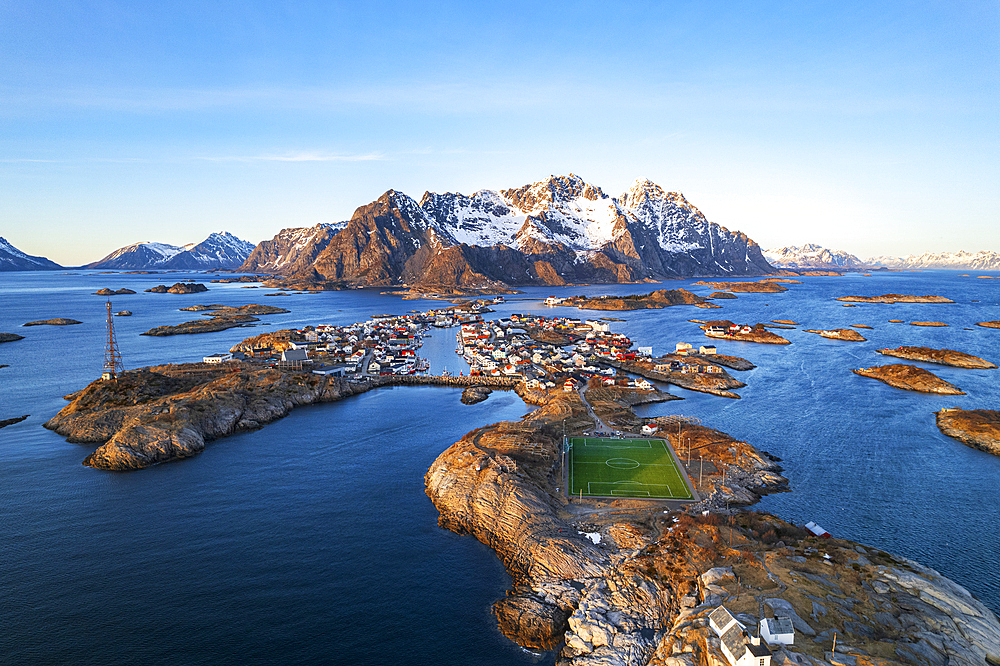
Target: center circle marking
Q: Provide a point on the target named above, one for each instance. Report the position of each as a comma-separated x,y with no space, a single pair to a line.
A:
622,463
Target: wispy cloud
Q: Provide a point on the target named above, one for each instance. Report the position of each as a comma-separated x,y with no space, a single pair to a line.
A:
297,157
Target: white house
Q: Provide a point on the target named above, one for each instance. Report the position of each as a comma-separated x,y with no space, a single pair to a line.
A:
707,349
218,358
777,630
650,428
683,346
739,648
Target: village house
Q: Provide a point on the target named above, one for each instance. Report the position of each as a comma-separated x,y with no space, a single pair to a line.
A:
739,647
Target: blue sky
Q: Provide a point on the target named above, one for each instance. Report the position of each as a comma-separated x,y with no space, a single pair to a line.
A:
868,127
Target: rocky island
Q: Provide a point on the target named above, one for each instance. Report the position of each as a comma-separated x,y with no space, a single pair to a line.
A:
10,337
726,330
113,292
895,298
652,301
179,288
221,318
910,378
840,334
625,582
989,324
955,359
58,321
761,287
978,428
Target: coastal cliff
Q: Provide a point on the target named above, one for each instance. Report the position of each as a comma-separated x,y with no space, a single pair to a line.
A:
167,413
625,582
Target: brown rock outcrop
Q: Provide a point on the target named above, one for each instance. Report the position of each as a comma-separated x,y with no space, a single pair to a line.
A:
762,287
978,428
10,337
179,288
840,334
113,292
910,378
58,321
989,324
950,357
896,298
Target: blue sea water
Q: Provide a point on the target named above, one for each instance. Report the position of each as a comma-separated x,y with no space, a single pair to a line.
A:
311,540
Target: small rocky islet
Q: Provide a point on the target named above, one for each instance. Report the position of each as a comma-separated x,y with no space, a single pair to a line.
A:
58,321
179,288
896,298
950,357
909,378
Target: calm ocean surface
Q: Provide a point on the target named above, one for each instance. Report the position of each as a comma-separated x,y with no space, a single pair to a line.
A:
311,540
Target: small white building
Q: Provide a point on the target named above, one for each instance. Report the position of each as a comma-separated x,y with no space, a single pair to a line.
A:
650,428
740,648
776,630
683,347
221,357
707,349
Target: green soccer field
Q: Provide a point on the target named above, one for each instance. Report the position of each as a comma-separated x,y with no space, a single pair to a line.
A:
605,467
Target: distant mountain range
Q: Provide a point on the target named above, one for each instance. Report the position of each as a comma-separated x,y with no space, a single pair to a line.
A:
218,251
556,231
812,256
978,261
12,259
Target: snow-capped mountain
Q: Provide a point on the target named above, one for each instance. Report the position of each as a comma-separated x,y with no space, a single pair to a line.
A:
12,259
219,250
983,260
291,249
561,229
811,255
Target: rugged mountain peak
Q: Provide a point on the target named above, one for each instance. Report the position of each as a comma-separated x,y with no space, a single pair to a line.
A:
553,191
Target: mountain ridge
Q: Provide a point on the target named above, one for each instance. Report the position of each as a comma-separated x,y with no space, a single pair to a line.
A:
221,250
12,259
555,231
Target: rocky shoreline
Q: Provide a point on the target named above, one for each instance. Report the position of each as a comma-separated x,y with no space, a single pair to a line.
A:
602,582
626,582
167,413
978,428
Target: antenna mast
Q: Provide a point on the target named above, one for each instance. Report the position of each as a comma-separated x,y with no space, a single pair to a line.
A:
112,355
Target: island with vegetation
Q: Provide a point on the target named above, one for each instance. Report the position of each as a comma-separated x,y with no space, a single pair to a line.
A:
767,286
955,359
179,288
652,301
221,317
